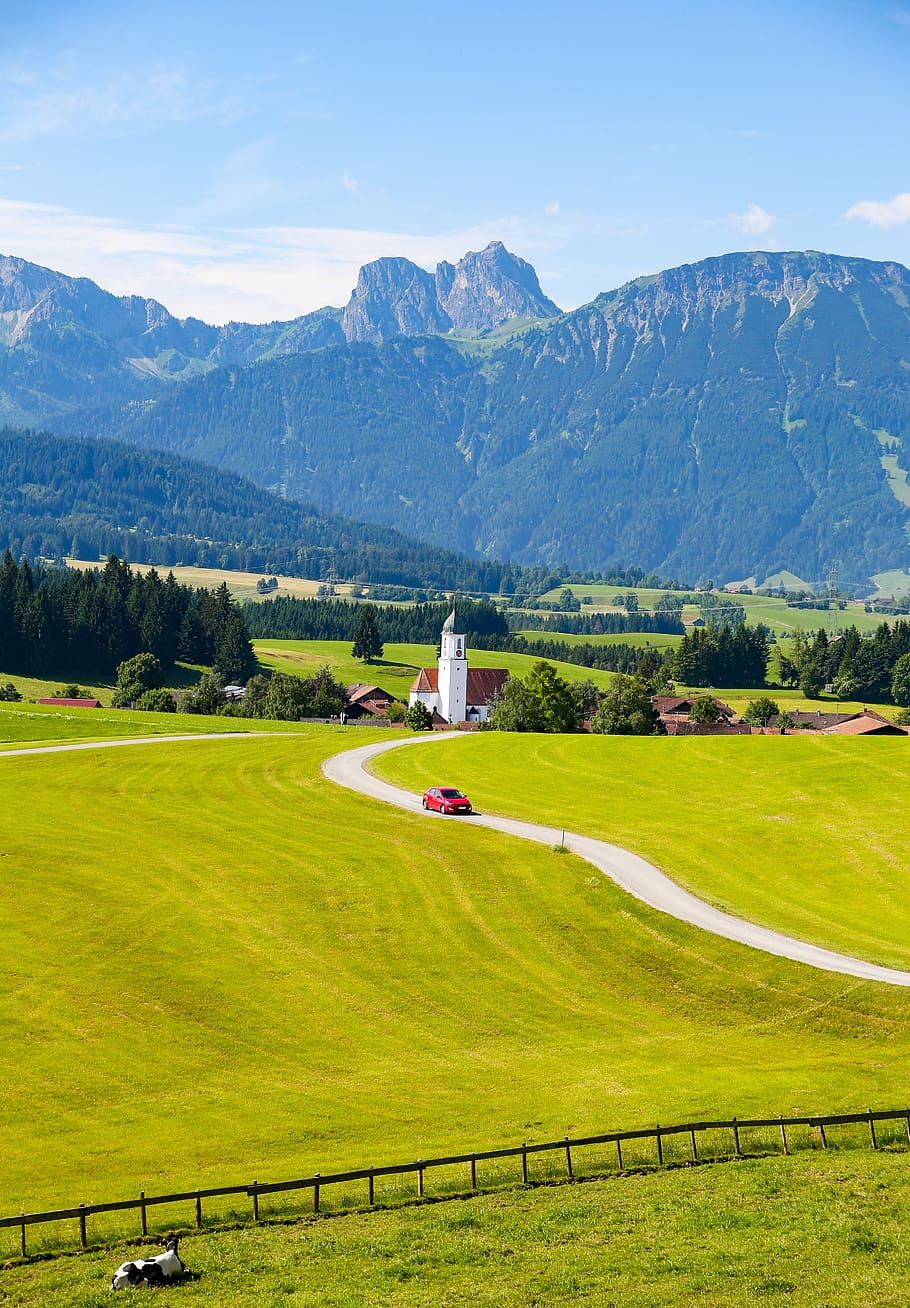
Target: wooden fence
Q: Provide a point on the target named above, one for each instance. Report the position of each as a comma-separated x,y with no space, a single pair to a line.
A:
317,1183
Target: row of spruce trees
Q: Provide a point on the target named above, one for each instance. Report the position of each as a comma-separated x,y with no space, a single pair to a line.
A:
88,622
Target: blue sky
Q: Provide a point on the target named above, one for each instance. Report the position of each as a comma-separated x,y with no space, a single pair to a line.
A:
237,161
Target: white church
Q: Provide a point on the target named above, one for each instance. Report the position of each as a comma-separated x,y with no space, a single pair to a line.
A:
452,691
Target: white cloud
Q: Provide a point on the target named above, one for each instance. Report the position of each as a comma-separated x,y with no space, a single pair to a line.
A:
883,213
58,104
251,274
755,221
901,16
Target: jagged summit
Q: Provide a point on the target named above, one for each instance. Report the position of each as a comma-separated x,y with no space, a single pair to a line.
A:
395,297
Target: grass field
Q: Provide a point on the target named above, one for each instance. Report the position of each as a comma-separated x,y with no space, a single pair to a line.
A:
774,613
803,833
639,639
812,1231
242,585
399,665
219,966
39,724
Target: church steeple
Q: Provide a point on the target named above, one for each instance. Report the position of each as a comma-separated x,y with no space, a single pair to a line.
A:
453,670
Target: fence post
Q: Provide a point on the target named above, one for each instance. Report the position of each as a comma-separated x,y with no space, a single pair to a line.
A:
82,1237
736,1137
783,1136
420,1179
694,1145
143,1215
619,1152
908,1128
524,1163
198,1211
255,1196
316,1195
22,1237
821,1128
473,1172
372,1182
568,1159
872,1130
660,1148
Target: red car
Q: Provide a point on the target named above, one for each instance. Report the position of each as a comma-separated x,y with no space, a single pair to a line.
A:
446,799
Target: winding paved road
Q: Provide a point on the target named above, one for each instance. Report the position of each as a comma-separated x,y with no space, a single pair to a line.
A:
633,874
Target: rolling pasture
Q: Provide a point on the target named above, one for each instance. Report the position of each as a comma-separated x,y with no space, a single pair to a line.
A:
219,967
399,665
807,834
773,612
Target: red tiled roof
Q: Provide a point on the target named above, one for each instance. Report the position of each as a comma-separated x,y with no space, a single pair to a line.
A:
427,679
360,690
72,703
483,683
865,724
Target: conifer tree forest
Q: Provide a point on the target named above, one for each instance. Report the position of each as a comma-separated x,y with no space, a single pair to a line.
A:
85,623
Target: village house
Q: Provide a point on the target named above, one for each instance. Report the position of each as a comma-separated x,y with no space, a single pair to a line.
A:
366,701
453,691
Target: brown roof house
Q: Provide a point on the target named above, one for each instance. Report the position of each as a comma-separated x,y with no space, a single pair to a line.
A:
452,691
367,701
867,723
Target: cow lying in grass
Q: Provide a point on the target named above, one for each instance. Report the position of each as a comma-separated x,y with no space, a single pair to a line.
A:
151,1271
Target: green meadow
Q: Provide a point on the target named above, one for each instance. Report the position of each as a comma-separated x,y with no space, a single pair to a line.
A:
805,833
220,966
774,613
810,1231
399,665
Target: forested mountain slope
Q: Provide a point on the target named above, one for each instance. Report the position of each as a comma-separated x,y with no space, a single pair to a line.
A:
737,416
92,498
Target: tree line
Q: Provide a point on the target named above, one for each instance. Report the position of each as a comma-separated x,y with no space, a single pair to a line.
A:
856,667
88,621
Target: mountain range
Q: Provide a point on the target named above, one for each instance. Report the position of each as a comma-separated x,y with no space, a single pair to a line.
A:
738,416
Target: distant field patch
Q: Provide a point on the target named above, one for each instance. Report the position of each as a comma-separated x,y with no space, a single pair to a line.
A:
242,585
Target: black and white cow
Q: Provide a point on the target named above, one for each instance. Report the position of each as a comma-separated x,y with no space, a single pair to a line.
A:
151,1271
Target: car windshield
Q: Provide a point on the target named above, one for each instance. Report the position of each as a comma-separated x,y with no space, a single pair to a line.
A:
451,794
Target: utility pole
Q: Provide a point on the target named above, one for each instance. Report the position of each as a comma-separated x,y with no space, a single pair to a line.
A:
833,597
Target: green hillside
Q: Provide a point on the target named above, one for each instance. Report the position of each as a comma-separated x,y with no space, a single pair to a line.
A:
292,978
399,665
93,498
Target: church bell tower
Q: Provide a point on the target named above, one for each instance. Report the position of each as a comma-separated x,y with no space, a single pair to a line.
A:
453,673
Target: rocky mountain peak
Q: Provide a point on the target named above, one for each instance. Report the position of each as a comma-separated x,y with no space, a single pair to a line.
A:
395,297
489,287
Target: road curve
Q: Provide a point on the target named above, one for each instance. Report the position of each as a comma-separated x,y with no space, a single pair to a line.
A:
631,873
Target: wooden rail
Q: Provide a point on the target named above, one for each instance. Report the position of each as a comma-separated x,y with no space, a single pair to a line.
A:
317,1183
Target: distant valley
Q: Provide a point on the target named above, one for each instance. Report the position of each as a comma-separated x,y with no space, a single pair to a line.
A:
730,418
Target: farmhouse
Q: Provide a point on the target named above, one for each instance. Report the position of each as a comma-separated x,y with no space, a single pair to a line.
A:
367,701
452,691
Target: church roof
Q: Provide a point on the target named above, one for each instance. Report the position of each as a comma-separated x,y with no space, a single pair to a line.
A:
483,683
449,624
